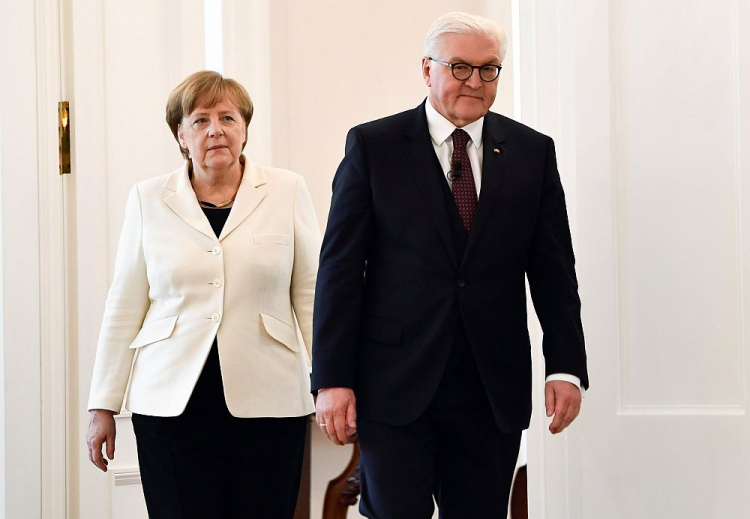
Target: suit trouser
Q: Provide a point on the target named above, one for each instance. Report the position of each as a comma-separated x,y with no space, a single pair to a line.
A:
453,452
206,463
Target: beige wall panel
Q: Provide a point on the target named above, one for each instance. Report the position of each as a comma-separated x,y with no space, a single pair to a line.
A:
662,247
679,235
145,57
319,68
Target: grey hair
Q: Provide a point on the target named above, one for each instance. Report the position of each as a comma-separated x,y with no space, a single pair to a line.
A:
467,24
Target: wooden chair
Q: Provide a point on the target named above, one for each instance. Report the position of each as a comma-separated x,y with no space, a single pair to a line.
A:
343,491
519,505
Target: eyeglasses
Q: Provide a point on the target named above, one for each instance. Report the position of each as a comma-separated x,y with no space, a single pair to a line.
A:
463,71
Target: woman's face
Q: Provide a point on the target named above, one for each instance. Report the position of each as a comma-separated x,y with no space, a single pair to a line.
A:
214,136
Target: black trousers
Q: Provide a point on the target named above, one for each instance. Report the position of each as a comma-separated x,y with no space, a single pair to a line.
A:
206,463
453,453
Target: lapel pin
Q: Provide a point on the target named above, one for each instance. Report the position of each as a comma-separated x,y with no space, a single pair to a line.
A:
496,151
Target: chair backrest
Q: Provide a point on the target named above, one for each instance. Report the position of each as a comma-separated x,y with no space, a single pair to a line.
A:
343,491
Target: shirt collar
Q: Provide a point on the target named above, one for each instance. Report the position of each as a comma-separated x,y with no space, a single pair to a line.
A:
441,128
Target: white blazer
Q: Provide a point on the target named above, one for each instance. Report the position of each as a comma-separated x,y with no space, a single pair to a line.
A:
176,287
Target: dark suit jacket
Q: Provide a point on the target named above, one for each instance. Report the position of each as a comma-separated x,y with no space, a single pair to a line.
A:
391,289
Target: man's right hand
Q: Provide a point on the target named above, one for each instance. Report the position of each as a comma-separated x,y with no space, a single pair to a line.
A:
336,413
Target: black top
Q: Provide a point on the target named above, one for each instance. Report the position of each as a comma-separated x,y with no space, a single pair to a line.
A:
208,395
217,217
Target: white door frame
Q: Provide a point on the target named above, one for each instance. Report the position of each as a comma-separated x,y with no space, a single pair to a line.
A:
33,265
542,49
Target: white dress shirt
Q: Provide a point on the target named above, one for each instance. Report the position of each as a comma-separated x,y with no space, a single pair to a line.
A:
441,130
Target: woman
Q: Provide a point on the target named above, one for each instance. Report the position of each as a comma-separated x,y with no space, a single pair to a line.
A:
215,262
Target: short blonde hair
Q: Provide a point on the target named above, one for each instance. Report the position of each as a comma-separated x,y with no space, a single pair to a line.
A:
209,87
467,24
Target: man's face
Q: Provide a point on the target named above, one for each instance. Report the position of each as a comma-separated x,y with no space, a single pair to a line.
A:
462,102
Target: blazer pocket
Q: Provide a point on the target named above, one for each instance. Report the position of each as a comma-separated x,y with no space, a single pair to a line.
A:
280,331
273,239
154,331
379,330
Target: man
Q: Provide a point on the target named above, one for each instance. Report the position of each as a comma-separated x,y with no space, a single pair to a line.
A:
420,336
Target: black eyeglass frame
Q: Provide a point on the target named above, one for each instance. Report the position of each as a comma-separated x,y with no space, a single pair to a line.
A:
472,67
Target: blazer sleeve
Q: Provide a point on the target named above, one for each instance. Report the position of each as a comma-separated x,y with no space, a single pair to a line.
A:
124,311
340,287
552,279
306,249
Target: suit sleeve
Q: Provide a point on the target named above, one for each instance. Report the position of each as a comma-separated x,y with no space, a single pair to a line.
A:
306,250
124,311
552,280
339,292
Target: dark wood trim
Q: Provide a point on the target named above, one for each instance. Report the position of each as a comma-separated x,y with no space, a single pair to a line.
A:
343,491
519,505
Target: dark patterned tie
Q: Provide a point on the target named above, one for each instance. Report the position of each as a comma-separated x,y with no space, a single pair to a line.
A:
464,189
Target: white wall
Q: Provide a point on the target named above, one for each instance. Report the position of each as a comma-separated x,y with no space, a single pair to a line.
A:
648,106
315,69
20,394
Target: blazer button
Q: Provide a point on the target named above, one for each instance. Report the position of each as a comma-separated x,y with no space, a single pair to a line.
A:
215,318
461,283
216,283
216,251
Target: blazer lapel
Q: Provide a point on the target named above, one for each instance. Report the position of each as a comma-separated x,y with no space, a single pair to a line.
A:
426,170
247,199
493,164
184,203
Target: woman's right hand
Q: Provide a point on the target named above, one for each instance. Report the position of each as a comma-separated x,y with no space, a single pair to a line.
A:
101,430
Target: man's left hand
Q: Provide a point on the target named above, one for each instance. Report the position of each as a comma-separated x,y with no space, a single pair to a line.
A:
563,400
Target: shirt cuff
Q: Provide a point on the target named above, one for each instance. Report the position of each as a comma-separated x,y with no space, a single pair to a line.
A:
567,378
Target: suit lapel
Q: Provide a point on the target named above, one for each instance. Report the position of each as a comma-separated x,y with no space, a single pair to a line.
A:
247,199
426,170
493,165
184,203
